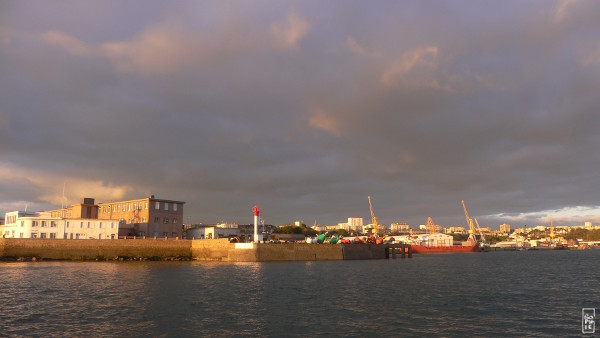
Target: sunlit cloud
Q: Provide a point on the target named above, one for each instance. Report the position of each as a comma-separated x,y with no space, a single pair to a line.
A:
69,43
288,33
591,57
49,185
356,48
324,121
567,215
423,58
562,8
159,49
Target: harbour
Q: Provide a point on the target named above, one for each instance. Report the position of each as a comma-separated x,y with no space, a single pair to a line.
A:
514,294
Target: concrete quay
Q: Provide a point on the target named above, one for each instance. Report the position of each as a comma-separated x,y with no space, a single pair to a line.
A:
203,250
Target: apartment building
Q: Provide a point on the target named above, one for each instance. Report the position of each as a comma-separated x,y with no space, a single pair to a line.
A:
149,216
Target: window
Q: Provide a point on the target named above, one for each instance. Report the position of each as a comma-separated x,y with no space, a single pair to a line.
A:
156,219
165,234
99,236
128,206
34,235
140,206
166,206
124,207
67,224
21,235
146,205
70,236
174,206
22,223
88,225
119,208
157,205
134,205
100,225
142,233
81,225
52,235
174,234
43,235
174,220
43,224
34,223
114,208
166,220
112,225
53,224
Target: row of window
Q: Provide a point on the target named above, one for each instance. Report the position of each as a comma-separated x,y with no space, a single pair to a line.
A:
136,206
43,223
68,225
165,220
11,219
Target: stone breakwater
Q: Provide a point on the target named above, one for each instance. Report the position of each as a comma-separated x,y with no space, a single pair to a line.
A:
205,250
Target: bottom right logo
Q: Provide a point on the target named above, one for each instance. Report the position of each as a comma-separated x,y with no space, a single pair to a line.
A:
588,322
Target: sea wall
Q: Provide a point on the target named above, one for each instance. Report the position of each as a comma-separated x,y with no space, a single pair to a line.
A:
299,252
205,250
90,249
363,251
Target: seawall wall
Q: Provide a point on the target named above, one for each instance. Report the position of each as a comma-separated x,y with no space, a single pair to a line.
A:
206,250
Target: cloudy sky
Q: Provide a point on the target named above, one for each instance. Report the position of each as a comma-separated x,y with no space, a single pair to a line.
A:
305,108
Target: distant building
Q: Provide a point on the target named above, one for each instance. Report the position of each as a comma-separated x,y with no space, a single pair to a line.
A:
456,230
399,227
505,228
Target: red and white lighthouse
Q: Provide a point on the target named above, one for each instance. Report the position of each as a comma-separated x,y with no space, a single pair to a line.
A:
256,211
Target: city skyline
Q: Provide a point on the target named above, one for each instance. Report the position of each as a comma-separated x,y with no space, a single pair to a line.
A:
305,109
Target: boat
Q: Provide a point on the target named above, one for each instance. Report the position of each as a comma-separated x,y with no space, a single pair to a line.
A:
416,248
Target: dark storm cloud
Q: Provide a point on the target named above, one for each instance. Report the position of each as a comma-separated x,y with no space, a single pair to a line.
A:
305,107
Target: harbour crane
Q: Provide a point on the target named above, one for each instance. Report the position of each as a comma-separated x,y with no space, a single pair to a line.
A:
469,223
373,218
430,225
480,233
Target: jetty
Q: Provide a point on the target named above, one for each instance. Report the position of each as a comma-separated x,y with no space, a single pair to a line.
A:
202,250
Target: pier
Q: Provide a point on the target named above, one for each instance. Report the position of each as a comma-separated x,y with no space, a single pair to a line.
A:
204,250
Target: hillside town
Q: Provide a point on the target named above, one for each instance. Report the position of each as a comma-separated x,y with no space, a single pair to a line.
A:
163,218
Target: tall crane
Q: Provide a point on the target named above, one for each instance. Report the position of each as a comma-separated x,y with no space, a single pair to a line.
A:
469,223
480,233
430,225
373,218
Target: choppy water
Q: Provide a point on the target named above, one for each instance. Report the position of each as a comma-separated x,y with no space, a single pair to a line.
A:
482,294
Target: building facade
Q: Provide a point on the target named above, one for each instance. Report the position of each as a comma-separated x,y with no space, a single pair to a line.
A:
149,216
19,224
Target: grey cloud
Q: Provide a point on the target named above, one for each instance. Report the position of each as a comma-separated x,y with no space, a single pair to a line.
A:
505,115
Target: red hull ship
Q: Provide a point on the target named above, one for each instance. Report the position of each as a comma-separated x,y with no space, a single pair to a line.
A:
440,249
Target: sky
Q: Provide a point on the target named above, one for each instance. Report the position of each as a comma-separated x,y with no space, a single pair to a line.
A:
305,108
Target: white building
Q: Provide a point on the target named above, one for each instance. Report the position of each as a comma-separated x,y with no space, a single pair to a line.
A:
399,227
19,224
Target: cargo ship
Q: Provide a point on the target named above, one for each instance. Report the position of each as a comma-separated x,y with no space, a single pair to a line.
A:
416,248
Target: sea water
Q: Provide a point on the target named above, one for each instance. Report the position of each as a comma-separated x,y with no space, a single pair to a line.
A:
532,293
